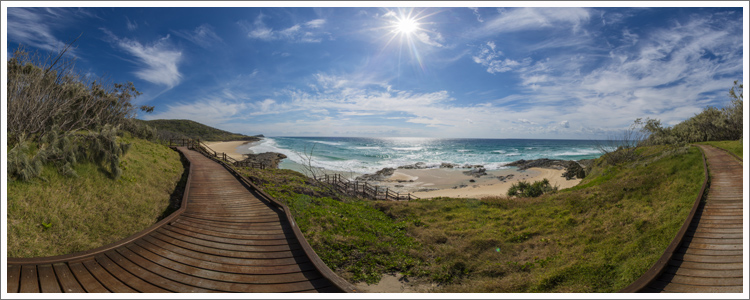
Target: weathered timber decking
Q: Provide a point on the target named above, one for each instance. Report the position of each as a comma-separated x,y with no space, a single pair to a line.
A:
226,237
708,257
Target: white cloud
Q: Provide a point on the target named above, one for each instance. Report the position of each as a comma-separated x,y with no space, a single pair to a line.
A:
475,10
533,18
131,25
211,111
203,36
157,61
491,58
307,32
34,27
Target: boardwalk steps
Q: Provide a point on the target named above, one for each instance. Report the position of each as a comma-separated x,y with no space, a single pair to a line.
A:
228,236
706,256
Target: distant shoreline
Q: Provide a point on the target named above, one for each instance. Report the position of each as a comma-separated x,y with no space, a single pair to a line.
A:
431,182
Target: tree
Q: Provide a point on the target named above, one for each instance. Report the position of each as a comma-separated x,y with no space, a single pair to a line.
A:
622,148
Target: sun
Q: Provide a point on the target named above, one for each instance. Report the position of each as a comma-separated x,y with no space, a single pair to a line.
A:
406,26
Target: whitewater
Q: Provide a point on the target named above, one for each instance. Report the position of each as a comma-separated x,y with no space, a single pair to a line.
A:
368,155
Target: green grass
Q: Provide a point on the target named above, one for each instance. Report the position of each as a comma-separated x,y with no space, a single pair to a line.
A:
731,146
59,215
353,238
596,237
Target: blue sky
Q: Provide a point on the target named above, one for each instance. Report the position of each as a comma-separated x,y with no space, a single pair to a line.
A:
450,71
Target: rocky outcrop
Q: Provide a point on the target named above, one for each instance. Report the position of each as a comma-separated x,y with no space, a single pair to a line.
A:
446,165
572,168
419,165
476,172
381,175
269,159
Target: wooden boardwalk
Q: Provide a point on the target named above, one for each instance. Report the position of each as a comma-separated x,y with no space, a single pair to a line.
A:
708,257
227,237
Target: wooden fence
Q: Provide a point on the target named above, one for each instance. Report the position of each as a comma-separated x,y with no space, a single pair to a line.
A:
364,190
199,146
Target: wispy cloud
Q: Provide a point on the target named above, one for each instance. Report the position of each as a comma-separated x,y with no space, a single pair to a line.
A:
35,27
475,10
306,32
668,73
531,18
203,36
491,58
131,25
157,61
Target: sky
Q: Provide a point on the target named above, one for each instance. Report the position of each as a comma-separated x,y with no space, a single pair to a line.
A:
368,70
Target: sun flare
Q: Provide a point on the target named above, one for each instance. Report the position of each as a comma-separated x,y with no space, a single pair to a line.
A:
406,26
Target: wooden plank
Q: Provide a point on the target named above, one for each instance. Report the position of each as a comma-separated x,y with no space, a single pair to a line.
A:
149,242
218,275
683,288
14,278
231,247
226,253
705,265
29,279
106,279
705,281
717,259
125,276
716,235
47,279
153,253
234,240
87,281
714,241
67,279
140,268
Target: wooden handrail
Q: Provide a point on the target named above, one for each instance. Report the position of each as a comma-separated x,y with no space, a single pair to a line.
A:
200,146
314,258
357,189
659,266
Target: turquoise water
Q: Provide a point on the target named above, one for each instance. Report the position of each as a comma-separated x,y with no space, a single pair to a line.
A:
367,155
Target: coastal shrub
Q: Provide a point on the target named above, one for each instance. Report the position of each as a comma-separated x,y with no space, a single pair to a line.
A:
59,117
536,189
711,124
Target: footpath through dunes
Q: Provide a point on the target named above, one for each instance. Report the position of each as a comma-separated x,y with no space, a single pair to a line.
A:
227,237
708,258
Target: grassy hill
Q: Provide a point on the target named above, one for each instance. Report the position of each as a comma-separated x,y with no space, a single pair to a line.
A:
179,129
596,237
57,214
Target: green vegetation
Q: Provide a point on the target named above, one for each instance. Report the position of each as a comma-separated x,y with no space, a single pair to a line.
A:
59,117
57,214
352,237
187,129
536,189
76,179
712,124
596,237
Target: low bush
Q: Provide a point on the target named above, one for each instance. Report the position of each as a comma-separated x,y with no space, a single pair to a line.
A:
536,189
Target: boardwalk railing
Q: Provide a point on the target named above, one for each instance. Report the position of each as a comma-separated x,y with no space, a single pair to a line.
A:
198,145
364,190
314,258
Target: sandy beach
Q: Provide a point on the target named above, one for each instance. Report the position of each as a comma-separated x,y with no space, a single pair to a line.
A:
435,182
230,148
432,183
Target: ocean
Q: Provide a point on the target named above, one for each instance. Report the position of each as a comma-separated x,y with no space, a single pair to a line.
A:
368,155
